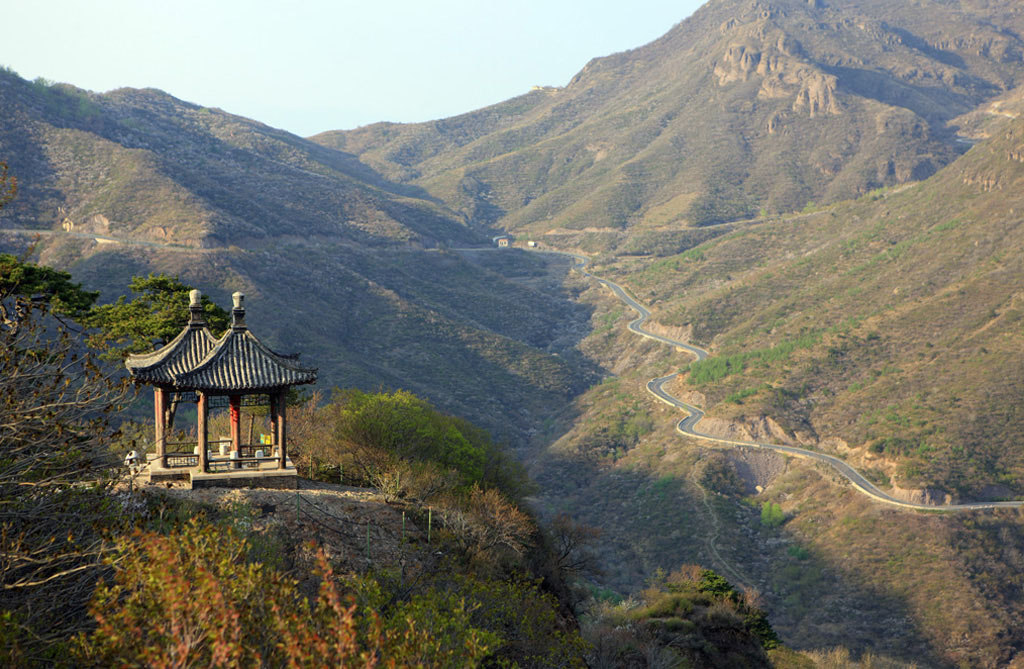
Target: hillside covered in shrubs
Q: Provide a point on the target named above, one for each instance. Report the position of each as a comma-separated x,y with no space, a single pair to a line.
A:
150,576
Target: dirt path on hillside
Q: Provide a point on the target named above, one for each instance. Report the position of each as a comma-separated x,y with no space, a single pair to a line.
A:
711,538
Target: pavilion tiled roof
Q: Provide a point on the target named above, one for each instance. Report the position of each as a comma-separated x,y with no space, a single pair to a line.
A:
238,361
184,352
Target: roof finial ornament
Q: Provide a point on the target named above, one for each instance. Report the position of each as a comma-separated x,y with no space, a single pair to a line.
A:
238,312
195,309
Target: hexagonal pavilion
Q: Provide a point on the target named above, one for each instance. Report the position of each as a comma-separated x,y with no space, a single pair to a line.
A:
237,368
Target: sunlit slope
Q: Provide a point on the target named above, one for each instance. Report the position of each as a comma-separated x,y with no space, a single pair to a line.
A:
143,164
894,323
747,106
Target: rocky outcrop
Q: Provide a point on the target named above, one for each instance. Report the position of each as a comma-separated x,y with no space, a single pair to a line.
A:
930,496
996,46
775,59
985,182
738,64
761,429
97,223
757,469
835,445
817,95
672,332
863,459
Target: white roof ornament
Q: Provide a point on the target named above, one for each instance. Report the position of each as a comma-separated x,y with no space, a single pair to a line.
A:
238,312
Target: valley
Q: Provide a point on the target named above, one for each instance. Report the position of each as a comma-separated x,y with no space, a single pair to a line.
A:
688,425
802,223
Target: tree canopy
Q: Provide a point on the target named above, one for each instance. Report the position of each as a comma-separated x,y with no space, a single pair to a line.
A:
55,466
407,426
23,283
159,311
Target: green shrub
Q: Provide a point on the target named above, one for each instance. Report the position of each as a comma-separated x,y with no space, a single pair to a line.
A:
691,617
771,514
717,368
401,444
192,598
738,396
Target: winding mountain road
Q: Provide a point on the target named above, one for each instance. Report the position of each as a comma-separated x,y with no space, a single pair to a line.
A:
98,238
688,425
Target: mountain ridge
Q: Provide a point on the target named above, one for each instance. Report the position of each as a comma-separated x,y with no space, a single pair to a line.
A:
155,139
620,147
332,256
906,293
884,330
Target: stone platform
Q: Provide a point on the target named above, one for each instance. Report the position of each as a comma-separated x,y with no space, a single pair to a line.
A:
266,475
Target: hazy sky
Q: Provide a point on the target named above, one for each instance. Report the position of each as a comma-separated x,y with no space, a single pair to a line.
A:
313,65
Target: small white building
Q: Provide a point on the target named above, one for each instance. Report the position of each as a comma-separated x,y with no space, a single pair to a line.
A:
502,241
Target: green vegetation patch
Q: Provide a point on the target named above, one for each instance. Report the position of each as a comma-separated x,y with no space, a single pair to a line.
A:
720,366
694,615
772,514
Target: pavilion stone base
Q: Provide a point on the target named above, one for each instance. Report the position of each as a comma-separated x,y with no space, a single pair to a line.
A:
266,477
286,479
159,474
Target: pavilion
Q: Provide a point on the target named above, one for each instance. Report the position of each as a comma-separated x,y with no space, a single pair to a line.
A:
235,370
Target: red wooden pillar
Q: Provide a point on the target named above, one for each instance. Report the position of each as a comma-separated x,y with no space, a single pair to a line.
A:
235,403
160,429
201,410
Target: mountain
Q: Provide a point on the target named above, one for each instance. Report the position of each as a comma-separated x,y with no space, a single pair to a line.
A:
142,165
903,313
746,107
871,308
885,330
338,263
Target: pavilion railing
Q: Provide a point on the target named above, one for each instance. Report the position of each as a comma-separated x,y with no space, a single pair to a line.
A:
246,458
181,454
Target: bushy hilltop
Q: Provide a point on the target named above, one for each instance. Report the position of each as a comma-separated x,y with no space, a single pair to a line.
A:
747,106
142,164
336,262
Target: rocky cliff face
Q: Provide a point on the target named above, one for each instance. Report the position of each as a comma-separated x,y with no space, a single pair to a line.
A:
776,60
762,429
931,496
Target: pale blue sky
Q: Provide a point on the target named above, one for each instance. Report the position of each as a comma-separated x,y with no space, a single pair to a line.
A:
313,65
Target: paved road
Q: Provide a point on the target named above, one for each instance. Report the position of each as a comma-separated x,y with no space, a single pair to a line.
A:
101,239
688,426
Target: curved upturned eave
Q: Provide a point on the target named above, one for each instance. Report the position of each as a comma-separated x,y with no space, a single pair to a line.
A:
184,352
241,362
